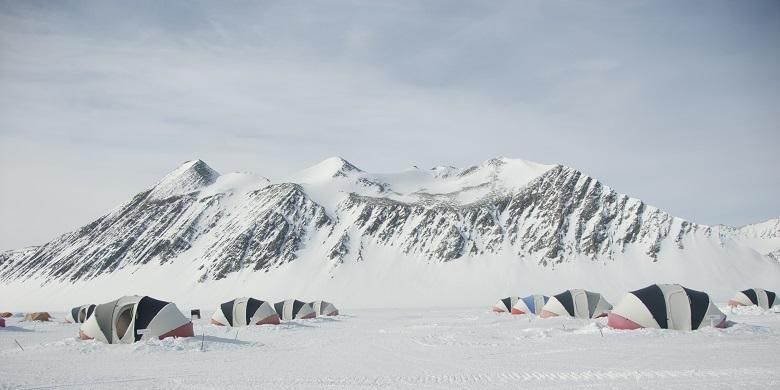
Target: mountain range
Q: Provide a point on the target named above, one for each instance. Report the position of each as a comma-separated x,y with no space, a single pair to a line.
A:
420,237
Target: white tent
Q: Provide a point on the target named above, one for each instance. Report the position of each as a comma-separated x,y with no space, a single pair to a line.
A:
134,318
504,305
323,308
243,312
665,306
80,314
531,304
293,309
754,296
576,303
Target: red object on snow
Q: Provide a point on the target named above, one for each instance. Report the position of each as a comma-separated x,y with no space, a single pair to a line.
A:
271,320
619,322
2,323
182,331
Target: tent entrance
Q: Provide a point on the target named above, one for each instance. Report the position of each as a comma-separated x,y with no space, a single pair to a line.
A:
239,313
123,321
679,310
581,305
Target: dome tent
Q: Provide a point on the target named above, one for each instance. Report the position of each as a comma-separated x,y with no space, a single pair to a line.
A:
576,303
79,314
323,308
133,318
754,296
665,306
504,305
293,309
243,312
531,304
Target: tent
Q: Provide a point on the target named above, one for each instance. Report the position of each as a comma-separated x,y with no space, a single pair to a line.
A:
37,316
6,314
665,306
531,304
79,314
323,308
576,303
133,318
293,309
2,322
243,312
754,296
504,305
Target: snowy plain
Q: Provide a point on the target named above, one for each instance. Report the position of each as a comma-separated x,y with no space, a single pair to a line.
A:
403,348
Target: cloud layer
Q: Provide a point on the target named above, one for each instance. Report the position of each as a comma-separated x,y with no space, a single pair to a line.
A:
674,104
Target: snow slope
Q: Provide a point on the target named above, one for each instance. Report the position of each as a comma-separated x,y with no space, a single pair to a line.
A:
403,349
764,237
416,238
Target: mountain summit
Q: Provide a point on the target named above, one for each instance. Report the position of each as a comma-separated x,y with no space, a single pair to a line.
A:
188,177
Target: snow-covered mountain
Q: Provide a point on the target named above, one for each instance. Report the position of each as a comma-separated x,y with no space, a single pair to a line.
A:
764,237
407,238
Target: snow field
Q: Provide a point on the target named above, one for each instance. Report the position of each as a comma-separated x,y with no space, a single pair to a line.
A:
403,348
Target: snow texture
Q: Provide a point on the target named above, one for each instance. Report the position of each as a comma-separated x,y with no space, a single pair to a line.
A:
403,349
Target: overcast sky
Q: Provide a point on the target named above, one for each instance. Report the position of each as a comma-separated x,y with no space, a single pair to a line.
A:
676,103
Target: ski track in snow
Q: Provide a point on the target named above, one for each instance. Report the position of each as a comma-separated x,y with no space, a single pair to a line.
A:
403,348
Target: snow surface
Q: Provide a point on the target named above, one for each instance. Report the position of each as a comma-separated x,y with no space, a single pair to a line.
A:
332,180
400,349
389,281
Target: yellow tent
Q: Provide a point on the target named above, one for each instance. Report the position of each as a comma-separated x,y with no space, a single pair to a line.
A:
37,316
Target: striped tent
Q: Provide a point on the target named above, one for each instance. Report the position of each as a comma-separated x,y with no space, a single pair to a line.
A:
504,305
323,308
665,306
576,303
134,318
243,312
293,309
531,304
79,314
754,296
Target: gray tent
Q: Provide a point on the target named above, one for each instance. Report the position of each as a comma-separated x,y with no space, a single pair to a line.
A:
132,318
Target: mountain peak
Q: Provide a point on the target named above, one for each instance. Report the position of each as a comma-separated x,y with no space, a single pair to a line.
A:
190,176
329,168
339,164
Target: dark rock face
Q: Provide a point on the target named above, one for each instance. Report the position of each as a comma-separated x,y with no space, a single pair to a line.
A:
558,216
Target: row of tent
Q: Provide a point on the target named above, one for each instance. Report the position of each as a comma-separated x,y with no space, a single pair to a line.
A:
35,316
132,318
661,306
251,311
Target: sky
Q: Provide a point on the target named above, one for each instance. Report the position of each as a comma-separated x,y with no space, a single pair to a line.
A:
675,103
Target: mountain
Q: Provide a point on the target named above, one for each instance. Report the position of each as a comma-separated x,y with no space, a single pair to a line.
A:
417,237
764,237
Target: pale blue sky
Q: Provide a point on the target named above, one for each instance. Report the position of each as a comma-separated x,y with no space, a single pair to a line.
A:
676,103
